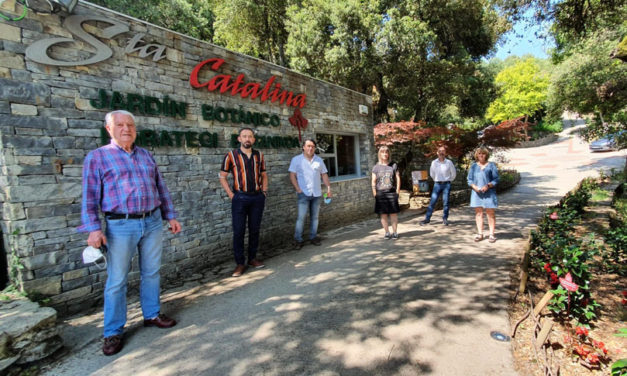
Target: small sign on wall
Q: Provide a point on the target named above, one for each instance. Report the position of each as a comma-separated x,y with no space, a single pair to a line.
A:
363,110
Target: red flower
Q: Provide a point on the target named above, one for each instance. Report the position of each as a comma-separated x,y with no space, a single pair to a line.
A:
593,358
581,350
547,267
581,331
598,344
554,278
605,351
554,216
624,301
625,293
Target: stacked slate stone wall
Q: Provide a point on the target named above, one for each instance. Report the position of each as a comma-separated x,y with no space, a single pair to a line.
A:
50,118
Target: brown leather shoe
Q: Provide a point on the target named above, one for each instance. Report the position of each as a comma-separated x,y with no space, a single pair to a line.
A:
239,270
256,263
162,321
315,241
112,345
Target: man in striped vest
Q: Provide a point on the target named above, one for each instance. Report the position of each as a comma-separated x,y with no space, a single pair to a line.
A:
248,197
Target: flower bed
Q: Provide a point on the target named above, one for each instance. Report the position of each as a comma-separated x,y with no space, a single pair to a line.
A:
580,259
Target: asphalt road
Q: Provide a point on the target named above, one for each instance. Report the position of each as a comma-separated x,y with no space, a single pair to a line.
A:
358,305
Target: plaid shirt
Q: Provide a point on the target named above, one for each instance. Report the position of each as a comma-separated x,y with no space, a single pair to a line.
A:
246,171
118,182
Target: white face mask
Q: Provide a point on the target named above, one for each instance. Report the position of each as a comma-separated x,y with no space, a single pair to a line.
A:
91,254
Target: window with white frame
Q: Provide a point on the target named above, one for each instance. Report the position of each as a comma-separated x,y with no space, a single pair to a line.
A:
340,153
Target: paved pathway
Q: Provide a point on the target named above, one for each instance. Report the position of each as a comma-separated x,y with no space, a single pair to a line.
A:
359,305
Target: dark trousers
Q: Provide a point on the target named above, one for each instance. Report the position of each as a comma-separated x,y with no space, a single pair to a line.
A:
246,208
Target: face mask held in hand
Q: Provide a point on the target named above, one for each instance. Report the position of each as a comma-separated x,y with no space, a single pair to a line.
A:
91,254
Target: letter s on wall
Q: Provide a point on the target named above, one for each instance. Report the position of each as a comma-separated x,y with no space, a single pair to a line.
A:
38,51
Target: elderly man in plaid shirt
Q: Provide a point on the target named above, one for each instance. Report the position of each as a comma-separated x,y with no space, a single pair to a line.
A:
123,181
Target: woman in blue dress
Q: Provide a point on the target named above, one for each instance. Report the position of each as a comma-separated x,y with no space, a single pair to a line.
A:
483,177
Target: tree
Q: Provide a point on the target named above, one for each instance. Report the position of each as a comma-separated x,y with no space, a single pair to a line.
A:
414,57
190,17
422,139
255,28
523,91
569,20
479,90
589,80
337,41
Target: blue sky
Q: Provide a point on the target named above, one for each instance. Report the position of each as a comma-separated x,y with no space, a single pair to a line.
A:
522,40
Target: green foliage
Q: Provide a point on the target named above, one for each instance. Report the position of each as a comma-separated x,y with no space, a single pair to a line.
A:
599,128
523,89
190,17
557,251
415,57
478,91
507,178
256,28
620,204
569,21
15,265
549,127
336,41
616,259
619,367
588,80
11,292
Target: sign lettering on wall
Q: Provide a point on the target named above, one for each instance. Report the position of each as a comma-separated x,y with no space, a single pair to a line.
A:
226,84
146,105
149,137
139,104
237,116
38,51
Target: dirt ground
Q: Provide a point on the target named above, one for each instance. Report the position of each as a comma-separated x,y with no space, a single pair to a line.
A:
612,314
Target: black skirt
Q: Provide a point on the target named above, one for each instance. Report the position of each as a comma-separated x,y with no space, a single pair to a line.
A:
386,202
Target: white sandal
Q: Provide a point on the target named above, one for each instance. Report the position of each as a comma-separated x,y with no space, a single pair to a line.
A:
492,239
478,237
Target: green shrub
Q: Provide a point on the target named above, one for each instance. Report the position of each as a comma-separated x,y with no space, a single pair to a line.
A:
549,127
556,250
615,259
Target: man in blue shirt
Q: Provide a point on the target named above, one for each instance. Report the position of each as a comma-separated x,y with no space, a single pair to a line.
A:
306,171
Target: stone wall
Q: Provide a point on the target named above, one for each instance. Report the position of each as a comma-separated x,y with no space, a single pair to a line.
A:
51,116
539,142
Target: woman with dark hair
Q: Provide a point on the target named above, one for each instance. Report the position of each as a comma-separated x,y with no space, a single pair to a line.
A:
386,185
483,177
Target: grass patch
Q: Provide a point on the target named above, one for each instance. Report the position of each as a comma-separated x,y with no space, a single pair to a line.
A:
599,195
620,204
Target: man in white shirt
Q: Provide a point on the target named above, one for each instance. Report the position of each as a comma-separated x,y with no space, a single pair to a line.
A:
442,172
306,171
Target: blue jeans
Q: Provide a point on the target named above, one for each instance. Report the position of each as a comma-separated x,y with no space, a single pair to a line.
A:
439,188
246,208
305,204
124,237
